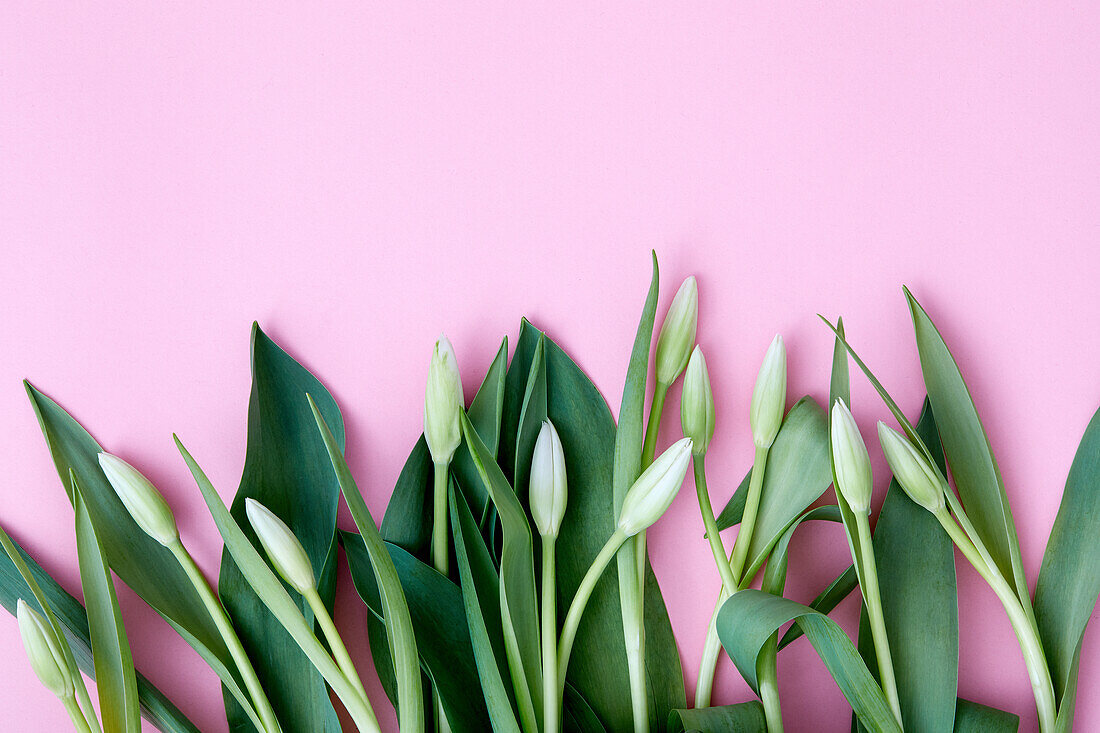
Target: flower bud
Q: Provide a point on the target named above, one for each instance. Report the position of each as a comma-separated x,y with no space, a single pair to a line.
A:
677,334
141,499
443,401
851,464
653,492
548,490
697,404
282,547
44,650
769,396
920,480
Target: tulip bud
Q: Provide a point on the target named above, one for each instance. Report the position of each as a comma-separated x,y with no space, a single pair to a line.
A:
677,334
851,464
920,480
769,396
282,547
548,488
697,404
141,499
653,492
44,651
443,401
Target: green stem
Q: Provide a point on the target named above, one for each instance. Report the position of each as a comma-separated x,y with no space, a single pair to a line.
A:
729,583
549,619
656,409
873,599
439,519
767,677
580,600
748,518
229,635
80,723
1034,659
335,642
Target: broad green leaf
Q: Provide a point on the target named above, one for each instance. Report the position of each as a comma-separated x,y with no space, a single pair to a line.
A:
587,430
287,469
439,618
22,577
578,716
273,594
744,717
480,587
1069,580
518,600
116,682
139,561
797,473
394,607
531,416
750,617
977,478
825,601
971,717
916,573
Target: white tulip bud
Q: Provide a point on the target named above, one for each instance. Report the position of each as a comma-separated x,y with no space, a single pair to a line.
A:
769,396
44,651
282,547
653,492
697,404
920,480
677,334
548,489
443,401
851,464
145,504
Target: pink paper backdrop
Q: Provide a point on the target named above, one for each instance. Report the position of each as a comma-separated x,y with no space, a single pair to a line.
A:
359,179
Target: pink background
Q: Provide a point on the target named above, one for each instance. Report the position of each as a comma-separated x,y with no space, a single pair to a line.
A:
359,179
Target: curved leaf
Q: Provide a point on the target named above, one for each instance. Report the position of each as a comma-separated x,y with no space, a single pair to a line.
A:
116,682
1069,579
744,717
287,469
971,717
439,618
826,601
750,617
22,577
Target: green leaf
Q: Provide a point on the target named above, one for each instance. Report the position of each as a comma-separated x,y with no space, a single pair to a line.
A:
970,717
518,600
798,472
22,577
584,423
439,620
744,717
116,682
287,469
916,572
394,607
826,601
977,478
1069,579
273,594
140,561
481,600
749,617
531,416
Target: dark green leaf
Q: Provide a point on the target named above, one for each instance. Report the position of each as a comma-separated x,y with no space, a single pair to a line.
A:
744,717
826,601
287,469
970,717
1069,579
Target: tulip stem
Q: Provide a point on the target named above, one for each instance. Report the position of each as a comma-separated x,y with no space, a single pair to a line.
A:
729,582
580,601
549,619
335,642
439,522
873,599
1034,659
229,635
767,676
80,723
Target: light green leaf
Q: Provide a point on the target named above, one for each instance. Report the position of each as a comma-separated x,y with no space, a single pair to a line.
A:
116,682
1069,579
825,601
394,607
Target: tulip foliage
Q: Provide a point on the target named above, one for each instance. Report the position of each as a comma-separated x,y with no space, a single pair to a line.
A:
507,586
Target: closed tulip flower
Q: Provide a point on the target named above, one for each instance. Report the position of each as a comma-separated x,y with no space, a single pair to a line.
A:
141,499
442,403
697,404
677,334
282,547
44,651
653,492
769,396
548,488
851,464
920,480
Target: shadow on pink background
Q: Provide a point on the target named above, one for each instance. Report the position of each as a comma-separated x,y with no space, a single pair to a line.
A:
359,179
